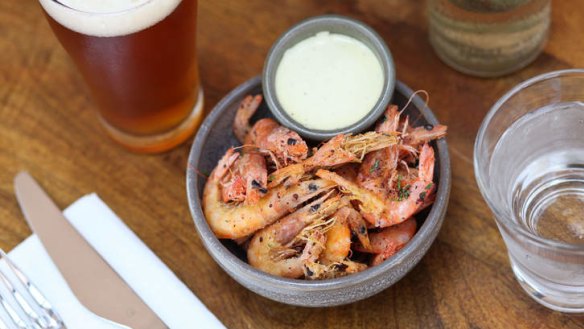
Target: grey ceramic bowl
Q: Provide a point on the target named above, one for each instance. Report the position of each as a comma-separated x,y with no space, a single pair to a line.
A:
333,24
215,137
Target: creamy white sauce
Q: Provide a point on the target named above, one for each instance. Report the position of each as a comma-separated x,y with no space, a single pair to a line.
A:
108,18
328,81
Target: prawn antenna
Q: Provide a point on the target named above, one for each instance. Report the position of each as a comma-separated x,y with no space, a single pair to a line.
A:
197,171
421,91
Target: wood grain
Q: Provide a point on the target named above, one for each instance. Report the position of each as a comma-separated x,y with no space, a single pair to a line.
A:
48,127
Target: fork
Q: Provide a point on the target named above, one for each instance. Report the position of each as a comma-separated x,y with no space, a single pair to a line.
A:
31,312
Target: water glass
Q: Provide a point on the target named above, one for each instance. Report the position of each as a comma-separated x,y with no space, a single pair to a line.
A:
529,164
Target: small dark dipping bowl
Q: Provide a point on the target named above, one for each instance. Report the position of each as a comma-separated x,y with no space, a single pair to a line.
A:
309,28
215,136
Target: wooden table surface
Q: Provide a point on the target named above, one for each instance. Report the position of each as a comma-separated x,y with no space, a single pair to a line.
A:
48,127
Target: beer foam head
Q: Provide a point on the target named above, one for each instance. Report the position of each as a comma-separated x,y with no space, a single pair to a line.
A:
108,18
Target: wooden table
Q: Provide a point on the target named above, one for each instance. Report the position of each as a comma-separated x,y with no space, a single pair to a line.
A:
48,127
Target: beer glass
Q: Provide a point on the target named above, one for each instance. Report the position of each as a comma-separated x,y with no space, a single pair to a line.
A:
138,58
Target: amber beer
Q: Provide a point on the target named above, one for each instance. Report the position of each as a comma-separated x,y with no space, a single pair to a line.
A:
140,63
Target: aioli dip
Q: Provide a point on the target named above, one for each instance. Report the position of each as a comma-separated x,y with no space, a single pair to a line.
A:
328,81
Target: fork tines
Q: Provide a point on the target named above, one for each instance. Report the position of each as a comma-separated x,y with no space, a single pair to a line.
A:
25,305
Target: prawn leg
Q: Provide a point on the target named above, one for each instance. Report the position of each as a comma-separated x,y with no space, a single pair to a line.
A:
340,150
343,149
269,251
371,205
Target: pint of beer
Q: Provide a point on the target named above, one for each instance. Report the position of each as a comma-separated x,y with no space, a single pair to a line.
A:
138,58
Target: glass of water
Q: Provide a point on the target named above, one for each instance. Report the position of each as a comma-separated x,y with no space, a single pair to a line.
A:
529,164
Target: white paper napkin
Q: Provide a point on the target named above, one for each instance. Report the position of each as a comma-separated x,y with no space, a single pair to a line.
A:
155,283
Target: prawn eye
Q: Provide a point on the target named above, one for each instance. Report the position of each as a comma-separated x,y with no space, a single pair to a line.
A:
428,127
256,184
341,267
314,207
292,141
312,187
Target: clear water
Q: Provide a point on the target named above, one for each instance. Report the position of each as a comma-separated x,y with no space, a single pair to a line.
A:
536,176
537,171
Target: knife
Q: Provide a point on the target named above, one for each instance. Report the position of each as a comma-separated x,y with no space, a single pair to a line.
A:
95,284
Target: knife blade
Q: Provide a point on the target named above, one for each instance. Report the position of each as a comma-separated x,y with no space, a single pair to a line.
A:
95,284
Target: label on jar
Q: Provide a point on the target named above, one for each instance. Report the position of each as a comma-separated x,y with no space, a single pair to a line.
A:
488,43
